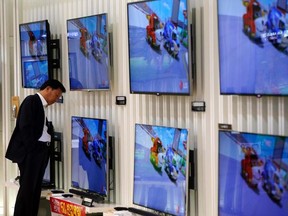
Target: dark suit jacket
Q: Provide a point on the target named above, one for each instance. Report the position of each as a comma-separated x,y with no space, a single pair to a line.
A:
28,129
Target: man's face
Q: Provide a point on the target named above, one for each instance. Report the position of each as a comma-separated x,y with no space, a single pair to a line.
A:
53,95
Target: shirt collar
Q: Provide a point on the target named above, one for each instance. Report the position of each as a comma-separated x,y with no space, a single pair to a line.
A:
44,102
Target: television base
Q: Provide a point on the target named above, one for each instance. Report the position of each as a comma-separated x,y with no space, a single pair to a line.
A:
87,198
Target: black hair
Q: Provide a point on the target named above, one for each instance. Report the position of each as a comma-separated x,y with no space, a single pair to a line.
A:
54,84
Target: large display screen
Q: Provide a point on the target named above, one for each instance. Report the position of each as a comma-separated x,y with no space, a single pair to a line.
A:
158,47
253,174
89,155
88,53
160,168
253,42
35,53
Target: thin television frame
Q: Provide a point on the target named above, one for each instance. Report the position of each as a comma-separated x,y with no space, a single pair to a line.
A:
72,53
187,169
31,58
189,52
107,175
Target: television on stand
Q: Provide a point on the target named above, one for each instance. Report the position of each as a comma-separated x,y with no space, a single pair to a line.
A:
159,61
253,47
35,53
89,159
88,53
253,174
160,170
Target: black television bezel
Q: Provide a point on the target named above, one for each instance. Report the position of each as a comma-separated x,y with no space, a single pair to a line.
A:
189,75
29,58
218,160
108,53
187,177
86,192
242,94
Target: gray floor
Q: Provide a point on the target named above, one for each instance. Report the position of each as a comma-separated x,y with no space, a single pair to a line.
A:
44,208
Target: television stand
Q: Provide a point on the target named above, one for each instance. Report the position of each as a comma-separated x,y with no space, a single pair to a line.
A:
87,198
141,212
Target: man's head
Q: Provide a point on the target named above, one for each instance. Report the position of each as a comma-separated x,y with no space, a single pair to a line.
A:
52,90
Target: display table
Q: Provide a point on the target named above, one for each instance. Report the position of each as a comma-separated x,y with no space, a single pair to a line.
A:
72,206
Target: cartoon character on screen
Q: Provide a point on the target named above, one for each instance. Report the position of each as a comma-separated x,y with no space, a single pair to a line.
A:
184,32
272,181
97,151
97,148
154,31
84,46
85,142
247,164
96,47
171,166
157,153
171,43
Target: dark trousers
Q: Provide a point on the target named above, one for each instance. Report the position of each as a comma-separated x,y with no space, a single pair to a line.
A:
32,171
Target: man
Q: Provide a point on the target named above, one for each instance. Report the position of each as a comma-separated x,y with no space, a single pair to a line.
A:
29,146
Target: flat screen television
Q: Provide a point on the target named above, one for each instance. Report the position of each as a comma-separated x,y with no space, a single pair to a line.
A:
158,47
88,52
253,47
253,174
160,169
89,153
35,53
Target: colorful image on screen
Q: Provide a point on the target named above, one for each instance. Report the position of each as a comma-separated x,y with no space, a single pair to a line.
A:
158,47
160,161
88,53
253,47
34,46
89,154
253,174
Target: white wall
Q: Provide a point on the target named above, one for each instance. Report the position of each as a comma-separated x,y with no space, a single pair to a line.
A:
264,115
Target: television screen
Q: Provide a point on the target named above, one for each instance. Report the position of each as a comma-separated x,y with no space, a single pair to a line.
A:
88,52
253,47
89,155
34,46
160,167
253,174
158,47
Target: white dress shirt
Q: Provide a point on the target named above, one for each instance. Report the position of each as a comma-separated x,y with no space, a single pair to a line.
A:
45,137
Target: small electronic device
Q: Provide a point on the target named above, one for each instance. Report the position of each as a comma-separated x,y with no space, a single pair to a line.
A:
120,100
198,106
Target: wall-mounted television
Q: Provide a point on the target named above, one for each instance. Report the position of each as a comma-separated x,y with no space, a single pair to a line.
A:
253,47
35,53
88,52
89,164
253,174
158,47
160,168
